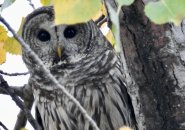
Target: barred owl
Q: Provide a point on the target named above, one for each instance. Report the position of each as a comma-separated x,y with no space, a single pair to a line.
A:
85,63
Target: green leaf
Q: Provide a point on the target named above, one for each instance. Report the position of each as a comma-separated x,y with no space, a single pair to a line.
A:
165,11
6,3
125,2
75,11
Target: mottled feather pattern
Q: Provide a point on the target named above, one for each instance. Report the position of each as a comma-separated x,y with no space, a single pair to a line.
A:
91,71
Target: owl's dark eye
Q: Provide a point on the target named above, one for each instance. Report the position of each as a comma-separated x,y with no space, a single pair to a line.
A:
70,32
43,35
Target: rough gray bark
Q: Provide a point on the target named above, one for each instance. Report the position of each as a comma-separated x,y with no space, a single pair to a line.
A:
155,55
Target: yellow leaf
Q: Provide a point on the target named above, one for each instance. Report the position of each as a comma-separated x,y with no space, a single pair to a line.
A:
8,44
12,46
46,2
100,13
1,44
3,37
23,129
110,38
125,128
3,34
2,54
103,9
75,11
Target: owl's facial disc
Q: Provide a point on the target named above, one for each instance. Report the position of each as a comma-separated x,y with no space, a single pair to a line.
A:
67,47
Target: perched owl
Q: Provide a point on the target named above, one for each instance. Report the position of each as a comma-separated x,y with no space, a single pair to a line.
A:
86,64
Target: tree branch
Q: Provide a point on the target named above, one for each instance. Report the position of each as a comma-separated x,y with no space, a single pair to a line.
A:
23,91
102,19
22,106
49,75
4,127
100,23
13,74
21,118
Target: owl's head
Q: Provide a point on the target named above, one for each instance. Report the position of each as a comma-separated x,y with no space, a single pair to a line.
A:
59,43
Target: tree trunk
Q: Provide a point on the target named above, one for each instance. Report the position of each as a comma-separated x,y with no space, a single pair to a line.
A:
155,57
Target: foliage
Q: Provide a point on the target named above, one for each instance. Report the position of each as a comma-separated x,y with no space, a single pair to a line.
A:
8,44
74,11
110,38
2,52
3,38
164,11
23,129
46,2
77,11
125,2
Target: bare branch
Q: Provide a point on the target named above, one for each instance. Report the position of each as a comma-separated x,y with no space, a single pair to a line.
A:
17,90
21,118
100,23
49,75
24,92
31,4
100,19
22,106
21,121
4,127
27,95
13,74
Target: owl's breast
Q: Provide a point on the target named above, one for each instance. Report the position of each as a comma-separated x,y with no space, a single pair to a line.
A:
102,100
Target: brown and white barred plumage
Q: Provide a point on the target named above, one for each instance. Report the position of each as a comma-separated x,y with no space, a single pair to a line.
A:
88,68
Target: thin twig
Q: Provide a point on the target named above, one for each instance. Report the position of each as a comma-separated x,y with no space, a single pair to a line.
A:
13,74
99,19
104,20
19,103
25,92
31,4
49,75
4,127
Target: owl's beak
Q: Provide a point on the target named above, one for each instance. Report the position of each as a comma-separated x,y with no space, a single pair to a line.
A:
59,52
